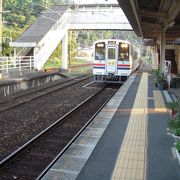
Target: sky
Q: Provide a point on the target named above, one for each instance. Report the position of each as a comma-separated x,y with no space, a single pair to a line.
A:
96,2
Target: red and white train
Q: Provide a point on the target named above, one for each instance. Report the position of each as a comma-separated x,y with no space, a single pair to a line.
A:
114,60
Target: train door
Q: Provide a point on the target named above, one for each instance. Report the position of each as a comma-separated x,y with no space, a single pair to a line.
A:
111,59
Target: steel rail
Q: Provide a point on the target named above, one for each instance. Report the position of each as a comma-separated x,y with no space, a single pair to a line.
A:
5,160
75,137
7,99
16,153
42,94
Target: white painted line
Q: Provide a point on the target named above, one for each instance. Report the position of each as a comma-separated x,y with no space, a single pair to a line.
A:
66,171
173,149
167,96
88,84
73,156
91,136
178,156
83,145
95,128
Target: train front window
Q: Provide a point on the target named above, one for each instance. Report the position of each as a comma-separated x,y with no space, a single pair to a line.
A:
100,51
123,51
111,53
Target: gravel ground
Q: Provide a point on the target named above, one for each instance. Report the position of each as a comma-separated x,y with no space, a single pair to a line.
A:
22,123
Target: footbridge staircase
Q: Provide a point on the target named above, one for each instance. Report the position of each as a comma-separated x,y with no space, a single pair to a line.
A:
52,27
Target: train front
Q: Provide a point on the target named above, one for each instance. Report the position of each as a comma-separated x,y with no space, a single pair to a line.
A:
111,61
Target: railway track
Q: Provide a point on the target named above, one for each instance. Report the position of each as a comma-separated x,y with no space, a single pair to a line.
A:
29,161
34,94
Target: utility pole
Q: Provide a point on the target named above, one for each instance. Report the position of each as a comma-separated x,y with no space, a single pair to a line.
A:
1,25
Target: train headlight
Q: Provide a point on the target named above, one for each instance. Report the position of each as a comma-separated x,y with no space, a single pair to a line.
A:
100,45
124,45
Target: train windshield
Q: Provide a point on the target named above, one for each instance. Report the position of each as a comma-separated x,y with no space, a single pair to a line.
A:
123,51
100,51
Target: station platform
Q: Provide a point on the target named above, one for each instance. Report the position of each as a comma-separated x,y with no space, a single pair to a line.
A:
127,140
17,81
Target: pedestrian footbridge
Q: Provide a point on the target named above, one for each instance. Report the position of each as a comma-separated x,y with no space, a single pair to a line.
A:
42,37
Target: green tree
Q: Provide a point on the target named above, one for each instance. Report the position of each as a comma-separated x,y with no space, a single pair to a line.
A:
8,35
20,14
55,58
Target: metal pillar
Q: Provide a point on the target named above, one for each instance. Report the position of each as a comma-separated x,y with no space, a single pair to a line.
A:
156,55
65,51
15,52
162,49
35,52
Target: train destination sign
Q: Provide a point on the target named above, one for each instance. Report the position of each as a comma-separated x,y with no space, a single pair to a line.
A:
22,44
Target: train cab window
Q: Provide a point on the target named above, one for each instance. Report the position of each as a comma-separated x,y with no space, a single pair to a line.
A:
123,51
100,51
111,53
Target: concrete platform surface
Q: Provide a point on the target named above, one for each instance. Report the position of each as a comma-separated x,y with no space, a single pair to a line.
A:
126,141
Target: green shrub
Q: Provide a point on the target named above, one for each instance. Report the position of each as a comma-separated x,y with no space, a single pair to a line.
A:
173,105
177,144
156,72
158,76
177,131
174,124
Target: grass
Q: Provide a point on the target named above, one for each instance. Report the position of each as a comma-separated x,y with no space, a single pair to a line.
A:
58,64
51,64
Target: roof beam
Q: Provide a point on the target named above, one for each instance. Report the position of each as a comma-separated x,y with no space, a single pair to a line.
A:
151,34
172,36
152,14
173,12
134,8
146,25
175,28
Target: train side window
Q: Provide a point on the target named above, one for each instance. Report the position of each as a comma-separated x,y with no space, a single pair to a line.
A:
123,52
100,51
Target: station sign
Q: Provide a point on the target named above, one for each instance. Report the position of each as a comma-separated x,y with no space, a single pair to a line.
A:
22,44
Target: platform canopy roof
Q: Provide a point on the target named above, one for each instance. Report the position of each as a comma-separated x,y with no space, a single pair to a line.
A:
148,18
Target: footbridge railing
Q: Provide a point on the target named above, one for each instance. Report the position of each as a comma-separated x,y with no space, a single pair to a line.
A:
19,63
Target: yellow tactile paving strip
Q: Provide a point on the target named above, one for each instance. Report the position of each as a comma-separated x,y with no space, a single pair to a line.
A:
131,162
158,101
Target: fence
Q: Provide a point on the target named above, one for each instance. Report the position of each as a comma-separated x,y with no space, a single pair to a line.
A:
167,71
16,63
